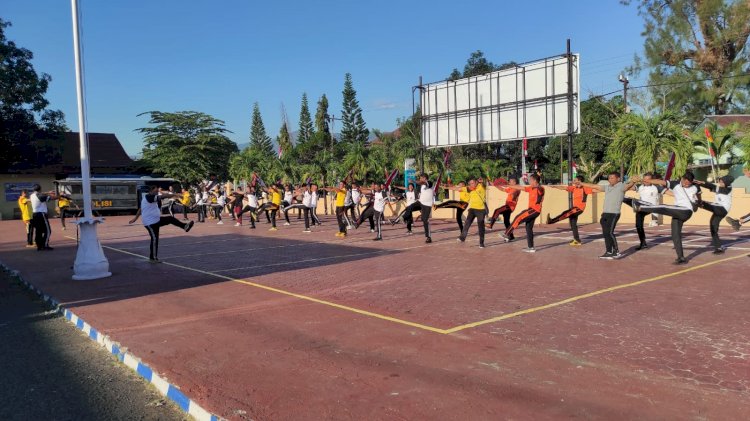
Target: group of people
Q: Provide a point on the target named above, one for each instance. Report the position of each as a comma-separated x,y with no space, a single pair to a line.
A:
355,204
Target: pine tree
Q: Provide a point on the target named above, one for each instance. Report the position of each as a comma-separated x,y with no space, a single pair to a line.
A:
321,116
284,139
305,122
259,140
353,126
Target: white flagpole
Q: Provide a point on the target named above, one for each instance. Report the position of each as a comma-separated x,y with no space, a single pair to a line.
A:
90,261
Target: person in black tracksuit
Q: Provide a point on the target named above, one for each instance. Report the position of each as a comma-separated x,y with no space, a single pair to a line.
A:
39,217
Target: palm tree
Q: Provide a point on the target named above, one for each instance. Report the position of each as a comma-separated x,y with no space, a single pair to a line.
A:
642,141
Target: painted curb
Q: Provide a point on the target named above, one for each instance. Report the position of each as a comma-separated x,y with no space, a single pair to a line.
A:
167,389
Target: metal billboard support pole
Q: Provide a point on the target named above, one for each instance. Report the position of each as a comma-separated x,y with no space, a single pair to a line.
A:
90,261
571,103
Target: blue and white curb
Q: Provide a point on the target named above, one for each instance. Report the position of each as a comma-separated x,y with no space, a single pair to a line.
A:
162,385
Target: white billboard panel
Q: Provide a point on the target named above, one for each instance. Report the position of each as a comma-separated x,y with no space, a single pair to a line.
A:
527,101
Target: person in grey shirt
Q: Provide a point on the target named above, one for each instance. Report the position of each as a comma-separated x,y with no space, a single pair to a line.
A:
614,192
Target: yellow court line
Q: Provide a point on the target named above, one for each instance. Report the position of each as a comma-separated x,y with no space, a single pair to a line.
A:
434,329
292,294
588,295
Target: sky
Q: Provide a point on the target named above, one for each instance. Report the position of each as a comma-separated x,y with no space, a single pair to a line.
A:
220,57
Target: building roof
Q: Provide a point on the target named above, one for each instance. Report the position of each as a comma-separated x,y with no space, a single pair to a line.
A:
105,152
727,119
62,156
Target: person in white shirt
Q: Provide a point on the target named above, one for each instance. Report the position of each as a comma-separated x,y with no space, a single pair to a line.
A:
39,218
374,210
356,199
252,207
426,200
719,209
314,196
685,203
411,206
150,213
286,202
221,201
648,194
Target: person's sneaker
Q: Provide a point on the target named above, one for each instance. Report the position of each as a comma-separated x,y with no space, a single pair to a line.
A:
306,230
529,250
653,224
428,240
735,223
642,246
460,240
636,206
606,256
409,232
220,223
680,261
720,250
617,255
237,224
575,243
30,246
372,230
286,224
252,227
377,239
273,229
549,220
505,237
481,246
63,228
189,226
48,248
154,261
338,234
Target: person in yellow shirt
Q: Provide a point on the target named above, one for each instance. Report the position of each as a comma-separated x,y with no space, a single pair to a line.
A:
25,205
477,209
340,207
185,203
63,203
459,205
274,194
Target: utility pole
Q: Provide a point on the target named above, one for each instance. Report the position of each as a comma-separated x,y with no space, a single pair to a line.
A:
571,118
624,79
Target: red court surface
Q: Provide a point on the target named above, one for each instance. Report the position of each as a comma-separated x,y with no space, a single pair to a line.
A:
286,325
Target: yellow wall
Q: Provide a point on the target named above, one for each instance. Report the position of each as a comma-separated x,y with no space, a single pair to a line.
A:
9,209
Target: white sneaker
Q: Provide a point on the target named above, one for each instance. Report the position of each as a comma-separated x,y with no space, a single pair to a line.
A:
653,224
372,230
529,250
237,224
220,223
286,224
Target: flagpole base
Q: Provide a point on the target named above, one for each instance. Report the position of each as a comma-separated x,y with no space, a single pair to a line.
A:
90,261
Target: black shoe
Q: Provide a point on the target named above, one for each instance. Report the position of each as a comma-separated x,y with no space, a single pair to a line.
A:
720,250
606,256
642,246
377,239
680,261
189,226
734,223
48,248
461,239
428,240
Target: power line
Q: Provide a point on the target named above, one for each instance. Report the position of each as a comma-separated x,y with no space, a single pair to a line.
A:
684,82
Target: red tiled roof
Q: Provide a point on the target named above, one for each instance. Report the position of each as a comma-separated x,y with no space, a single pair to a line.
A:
728,119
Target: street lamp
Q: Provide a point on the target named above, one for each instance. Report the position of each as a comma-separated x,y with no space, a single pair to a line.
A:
624,79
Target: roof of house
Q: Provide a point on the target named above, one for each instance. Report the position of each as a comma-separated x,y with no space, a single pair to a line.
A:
727,119
63,156
105,151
